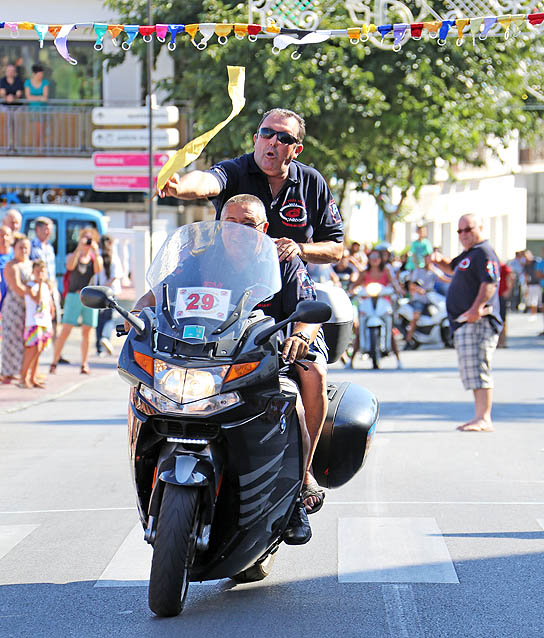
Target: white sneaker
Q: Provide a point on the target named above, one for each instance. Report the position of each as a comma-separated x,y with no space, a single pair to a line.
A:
399,365
107,344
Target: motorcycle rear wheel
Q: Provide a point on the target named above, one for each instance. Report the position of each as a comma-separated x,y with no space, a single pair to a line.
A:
258,571
375,353
173,551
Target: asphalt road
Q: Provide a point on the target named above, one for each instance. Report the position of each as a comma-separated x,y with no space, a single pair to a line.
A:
441,534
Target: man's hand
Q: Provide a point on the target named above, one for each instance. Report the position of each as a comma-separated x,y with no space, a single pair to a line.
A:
287,249
294,348
170,188
472,315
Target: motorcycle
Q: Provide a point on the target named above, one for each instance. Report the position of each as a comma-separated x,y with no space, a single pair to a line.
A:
375,321
432,326
214,435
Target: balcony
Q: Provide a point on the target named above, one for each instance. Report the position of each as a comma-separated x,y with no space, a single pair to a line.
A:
56,129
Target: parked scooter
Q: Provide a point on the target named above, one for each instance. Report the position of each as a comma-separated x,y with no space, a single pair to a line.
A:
432,326
214,436
375,321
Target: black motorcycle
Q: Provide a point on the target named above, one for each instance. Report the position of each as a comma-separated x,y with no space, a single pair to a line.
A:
214,436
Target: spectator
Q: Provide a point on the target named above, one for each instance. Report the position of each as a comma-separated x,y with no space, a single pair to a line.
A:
348,269
422,281
39,311
533,284
111,276
11,86
6,254
37,94
83,264
474,315
13,220
505,288
419,248
517,269
42,249
540,277
17,273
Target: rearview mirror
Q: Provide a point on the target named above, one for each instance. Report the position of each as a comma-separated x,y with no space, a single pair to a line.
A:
312,312
97,297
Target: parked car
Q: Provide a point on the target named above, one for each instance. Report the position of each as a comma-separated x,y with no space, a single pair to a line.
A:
67,223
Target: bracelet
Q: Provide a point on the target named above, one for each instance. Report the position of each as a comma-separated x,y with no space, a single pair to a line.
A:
302,336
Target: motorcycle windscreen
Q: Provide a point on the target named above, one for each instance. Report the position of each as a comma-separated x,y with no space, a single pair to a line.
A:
208,277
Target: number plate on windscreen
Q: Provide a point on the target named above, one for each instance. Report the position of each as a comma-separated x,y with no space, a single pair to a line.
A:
209,303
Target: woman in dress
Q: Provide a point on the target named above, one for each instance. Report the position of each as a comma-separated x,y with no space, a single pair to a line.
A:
17,273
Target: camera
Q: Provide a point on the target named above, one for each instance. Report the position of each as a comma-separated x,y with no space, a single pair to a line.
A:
88,241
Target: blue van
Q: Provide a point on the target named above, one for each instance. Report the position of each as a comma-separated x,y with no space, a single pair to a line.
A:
67,223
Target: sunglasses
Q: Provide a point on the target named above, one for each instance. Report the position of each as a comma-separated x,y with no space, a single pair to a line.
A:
282,136
468,229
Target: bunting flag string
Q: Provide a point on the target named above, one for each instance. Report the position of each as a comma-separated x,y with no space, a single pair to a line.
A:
201,35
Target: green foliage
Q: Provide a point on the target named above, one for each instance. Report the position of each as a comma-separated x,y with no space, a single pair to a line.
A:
376,118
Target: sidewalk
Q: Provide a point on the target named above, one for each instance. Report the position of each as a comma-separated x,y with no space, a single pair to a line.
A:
67,377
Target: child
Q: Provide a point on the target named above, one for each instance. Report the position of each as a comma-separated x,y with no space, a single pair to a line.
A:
38,324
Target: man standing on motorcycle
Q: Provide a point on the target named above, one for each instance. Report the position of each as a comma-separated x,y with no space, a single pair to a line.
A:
302,216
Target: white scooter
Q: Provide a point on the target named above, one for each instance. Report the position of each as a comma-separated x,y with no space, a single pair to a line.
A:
432,326
375,321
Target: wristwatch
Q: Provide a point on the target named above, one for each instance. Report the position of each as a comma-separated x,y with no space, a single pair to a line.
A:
303,335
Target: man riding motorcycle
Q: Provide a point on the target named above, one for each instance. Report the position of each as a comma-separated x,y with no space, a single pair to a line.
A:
248,210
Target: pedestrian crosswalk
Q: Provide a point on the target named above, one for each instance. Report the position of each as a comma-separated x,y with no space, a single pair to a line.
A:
371,549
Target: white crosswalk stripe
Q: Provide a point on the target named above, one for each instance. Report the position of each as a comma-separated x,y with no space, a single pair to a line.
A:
540,521
131,564
393,550
12,535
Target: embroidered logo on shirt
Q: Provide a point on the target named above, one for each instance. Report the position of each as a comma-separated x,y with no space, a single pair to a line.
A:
304,280
335,213
293,213
493,269
464,264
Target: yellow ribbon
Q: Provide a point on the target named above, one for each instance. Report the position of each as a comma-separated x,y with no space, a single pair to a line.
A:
354,33
27,26
192,150
461,24
240,30
223,30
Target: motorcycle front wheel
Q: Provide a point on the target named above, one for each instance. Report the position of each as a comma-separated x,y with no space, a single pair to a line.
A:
375,351
173,550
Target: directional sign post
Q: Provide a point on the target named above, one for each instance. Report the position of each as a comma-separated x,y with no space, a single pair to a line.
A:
125,183
134,161
134,138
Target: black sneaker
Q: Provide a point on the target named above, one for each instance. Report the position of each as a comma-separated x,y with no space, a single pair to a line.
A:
298,529
63,361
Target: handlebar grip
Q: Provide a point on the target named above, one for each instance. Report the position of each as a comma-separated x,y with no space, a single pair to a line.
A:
310,356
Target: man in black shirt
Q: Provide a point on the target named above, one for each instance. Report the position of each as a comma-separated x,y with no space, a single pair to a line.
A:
11,86
303,219
473,310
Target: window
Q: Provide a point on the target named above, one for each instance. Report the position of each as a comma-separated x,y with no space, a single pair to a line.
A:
73,228
66,82
31,232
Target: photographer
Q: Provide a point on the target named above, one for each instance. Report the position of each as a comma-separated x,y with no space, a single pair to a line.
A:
83,264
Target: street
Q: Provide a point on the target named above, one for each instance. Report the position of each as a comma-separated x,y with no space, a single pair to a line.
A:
441,534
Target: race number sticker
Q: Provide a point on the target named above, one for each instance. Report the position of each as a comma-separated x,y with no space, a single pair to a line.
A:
209,303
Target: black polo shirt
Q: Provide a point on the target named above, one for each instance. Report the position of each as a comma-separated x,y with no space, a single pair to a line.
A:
304,210
473,267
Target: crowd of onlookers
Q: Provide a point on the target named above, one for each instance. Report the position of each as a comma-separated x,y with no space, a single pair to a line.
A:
13,89
412,274
31,298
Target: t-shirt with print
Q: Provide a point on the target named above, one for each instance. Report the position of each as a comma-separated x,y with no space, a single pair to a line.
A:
304,210
473,267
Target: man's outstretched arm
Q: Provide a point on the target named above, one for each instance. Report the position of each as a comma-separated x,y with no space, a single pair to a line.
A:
192,185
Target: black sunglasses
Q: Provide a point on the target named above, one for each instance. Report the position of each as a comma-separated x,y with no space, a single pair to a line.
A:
465,230
282,136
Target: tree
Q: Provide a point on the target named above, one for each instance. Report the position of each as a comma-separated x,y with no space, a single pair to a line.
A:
375,119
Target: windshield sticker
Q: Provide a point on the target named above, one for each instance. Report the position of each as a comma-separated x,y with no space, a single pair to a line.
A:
208,303
193,332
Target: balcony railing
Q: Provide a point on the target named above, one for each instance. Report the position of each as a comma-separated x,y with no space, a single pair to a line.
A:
49,129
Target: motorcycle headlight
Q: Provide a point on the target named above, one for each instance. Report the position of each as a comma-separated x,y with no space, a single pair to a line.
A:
373,289
185,385
211,405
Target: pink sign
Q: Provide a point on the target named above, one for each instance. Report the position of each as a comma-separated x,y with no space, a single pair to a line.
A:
125,160
121,183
